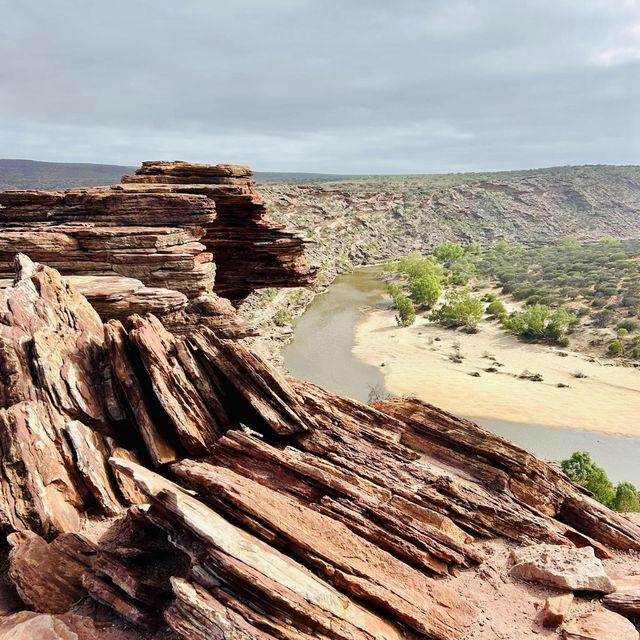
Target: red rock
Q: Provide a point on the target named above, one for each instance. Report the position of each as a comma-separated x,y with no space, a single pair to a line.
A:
556,610
626,602
600,625
48,576
561,567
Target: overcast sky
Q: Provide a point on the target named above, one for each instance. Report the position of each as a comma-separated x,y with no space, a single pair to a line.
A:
344,86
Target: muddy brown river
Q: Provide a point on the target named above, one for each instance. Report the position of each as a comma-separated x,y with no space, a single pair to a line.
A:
321,352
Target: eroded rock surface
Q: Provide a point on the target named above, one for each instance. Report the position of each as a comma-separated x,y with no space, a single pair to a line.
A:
228,501
601,625
170,241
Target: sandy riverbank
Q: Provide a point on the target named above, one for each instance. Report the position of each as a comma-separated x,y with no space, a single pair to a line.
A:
417,363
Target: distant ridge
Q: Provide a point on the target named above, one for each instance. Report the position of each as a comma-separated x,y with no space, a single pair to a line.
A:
33,174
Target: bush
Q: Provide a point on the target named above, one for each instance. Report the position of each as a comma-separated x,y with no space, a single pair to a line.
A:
630,324
282,317
615,348
538,322
425,289
496,308
406,315
415,266
448,252
394,290
622,332
461,310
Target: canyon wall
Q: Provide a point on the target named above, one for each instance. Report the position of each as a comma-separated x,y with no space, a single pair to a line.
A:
180,240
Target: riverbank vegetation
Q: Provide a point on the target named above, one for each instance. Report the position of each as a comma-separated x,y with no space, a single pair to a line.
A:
540,294
582,470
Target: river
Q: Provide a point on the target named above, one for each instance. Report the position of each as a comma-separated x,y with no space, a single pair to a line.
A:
321,352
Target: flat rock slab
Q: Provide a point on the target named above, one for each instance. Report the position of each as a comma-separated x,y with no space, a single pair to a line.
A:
563,567
601,625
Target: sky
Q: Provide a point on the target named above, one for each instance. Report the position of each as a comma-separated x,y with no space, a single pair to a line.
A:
337,86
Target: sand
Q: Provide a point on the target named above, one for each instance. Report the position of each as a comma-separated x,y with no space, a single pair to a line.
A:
414,362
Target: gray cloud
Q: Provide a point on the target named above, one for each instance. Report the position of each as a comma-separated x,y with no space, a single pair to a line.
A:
355,86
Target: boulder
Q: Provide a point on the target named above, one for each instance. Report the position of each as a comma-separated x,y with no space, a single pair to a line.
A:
556,610
601,625
562,567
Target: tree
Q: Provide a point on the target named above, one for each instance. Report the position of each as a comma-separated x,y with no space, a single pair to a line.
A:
425,289
448,252
415,266
460,310
538,322
626,498
406,315
582,470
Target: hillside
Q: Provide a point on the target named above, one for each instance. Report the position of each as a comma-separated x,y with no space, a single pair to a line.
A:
32,174
366,219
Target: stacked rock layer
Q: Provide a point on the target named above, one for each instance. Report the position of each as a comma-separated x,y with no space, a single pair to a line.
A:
169,241
183,483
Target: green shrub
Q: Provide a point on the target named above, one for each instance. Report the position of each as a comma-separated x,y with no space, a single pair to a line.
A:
626,498
406,315
282,317
615,348
394,290
538,322
460,310
425,289
582,470
496,308
489,297
448,252
622,332
630,324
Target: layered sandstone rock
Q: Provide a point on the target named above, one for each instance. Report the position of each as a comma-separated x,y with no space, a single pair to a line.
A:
170,241
250,252
226,501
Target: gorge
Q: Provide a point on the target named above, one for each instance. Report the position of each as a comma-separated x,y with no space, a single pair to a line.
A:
167,481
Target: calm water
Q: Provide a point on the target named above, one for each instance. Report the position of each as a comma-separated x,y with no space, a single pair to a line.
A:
321,353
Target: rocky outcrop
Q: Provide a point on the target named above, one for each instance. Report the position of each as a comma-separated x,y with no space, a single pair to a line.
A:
224,500
250,251
170,241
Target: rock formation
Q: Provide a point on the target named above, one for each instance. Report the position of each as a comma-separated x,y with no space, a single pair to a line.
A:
183,483
178,240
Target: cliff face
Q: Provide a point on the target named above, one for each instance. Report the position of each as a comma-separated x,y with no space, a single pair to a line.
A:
184,482
175,239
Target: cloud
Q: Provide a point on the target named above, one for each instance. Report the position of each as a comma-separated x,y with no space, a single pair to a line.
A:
358,86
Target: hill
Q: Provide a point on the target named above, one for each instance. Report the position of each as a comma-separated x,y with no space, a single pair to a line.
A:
360,220
33,174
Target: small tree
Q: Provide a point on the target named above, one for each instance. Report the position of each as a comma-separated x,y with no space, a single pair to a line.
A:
406,315
582,470
425,290
448,252
626,498
460,310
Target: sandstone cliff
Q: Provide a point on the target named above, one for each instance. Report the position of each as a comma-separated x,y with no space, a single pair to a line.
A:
182,483
176,239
